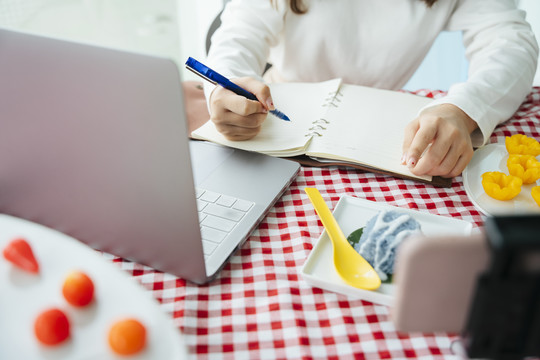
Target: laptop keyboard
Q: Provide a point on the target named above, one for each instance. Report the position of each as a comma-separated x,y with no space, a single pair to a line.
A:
218,216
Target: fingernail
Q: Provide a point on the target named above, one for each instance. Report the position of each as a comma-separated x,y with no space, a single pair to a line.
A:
411,162
270,103
403,159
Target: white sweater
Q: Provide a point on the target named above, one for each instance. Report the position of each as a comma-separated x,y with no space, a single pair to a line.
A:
381,43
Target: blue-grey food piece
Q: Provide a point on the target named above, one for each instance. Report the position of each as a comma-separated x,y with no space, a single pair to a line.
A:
381,237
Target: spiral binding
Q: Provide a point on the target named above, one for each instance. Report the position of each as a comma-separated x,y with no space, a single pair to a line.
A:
333,99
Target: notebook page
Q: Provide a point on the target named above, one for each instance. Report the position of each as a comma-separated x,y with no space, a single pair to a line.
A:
301,102
367,127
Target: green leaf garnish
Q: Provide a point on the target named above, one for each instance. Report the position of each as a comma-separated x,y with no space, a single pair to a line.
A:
354,238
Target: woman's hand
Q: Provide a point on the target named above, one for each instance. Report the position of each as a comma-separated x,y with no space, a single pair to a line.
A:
237,117
438,141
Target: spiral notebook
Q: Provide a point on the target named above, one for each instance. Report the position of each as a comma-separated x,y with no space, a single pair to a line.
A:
336,123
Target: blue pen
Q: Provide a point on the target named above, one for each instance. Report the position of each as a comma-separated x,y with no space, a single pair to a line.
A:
215,78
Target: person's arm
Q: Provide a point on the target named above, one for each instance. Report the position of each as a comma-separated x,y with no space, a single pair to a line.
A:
502,54
239,51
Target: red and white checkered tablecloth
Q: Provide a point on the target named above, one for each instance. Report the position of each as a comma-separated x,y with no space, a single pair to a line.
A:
261,308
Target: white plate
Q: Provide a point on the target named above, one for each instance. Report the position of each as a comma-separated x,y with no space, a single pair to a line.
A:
493,157
352,213
117,295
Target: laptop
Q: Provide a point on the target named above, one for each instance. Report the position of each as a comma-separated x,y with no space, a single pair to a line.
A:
94,143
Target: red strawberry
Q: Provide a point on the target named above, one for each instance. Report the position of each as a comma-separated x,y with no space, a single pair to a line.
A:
19,252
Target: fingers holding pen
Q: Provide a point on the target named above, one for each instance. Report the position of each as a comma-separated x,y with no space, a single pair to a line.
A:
259,89
237,117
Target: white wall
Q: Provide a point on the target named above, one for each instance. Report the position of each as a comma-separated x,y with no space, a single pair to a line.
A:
532,7
170,28
138,25
195,18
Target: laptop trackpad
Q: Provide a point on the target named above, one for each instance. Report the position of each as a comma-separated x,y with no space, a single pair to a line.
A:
205,158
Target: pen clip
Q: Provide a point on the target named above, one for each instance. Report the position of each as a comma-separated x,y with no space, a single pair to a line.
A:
201,75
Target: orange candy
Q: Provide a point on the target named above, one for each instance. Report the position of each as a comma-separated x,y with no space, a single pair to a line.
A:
127,337
78,289
522,144
525,167
51,327
500,186
535,193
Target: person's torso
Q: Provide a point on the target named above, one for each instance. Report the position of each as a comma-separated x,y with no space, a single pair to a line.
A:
367,42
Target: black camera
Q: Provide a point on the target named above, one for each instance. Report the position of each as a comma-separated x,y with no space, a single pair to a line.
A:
504,317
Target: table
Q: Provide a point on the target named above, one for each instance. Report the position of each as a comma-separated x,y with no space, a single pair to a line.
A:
260,307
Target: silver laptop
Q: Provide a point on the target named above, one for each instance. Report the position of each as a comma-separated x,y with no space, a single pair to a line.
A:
93,143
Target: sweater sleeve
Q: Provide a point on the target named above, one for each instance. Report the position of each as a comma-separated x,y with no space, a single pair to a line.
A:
502,53
240,46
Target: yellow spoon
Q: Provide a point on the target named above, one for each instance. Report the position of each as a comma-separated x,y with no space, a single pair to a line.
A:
349,264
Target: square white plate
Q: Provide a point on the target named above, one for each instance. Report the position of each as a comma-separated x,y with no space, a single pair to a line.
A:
352,213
